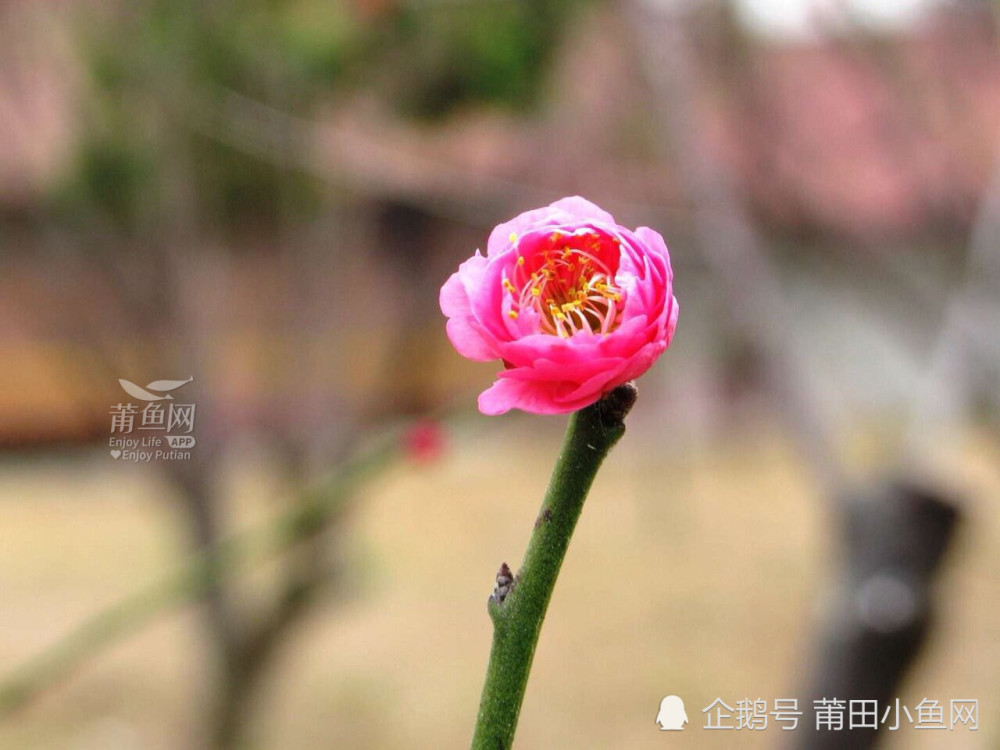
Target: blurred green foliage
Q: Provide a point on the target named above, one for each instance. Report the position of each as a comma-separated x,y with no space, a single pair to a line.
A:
159,73
449,54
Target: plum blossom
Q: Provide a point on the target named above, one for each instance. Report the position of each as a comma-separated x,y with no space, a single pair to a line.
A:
571,303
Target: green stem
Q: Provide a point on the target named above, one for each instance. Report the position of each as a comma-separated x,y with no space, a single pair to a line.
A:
518,605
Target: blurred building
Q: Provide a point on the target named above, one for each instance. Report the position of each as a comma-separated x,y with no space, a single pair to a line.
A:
872,139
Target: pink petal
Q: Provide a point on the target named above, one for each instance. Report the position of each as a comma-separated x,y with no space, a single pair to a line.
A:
581,208
570,374
507,394
653,240
454,297
470,340
500,238
595,386
572,210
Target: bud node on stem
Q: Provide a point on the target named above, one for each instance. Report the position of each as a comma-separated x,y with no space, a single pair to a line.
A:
504,584
616,405
543,517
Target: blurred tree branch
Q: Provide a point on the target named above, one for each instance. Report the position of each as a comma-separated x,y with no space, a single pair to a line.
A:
966,342
306,519
726,237
895,535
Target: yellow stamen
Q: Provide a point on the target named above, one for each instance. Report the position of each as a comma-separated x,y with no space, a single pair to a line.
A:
572,286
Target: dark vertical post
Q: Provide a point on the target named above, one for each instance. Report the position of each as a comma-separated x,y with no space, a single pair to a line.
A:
882,608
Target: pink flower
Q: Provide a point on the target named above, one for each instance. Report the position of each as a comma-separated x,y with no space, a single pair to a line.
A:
573,304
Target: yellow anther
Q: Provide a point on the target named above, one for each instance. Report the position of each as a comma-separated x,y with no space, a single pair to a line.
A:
512,237
572,287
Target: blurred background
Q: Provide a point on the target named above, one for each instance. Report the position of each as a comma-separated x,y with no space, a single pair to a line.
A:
266,196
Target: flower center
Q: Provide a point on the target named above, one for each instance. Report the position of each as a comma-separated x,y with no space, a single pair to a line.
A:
569,280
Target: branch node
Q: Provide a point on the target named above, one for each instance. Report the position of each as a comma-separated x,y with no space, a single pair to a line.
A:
544,517
616,405
504,584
